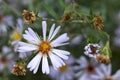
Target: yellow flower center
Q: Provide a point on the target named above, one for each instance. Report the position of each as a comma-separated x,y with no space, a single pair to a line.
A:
44,47
63,68
16,35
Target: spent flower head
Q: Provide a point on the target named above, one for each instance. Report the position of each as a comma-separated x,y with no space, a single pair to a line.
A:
92,50
98,22
28,16
19,70
103,58
66,17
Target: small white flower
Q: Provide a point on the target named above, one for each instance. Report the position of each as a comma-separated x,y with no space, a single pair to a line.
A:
45,48
91,50
65,72
85,69
16,37
17,34
6,58
104,73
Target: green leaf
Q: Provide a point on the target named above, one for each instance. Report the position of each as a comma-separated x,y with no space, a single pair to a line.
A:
62,3
50,11
68,8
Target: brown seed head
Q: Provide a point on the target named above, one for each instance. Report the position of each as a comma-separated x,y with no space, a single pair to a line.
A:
103,58
28,16
19,70
93,49
66,17
98,22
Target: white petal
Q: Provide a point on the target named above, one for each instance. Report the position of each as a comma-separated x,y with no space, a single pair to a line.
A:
24,47
82,61
96,77
104,69
20,25
34,63
35,35
36,68
56,61
109,68
59,44
51,31
116,76
62,51
61,39
60,54
44,27
22,43
99,72
45,66
83,77
55,32
31,36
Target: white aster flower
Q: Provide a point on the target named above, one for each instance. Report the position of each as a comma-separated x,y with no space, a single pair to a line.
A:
104,73
6,58
91,50
17,34
16,37
65,72
85,69
45,48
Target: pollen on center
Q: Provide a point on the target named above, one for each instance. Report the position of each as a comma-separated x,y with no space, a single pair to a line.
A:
63,68
44,47
16,35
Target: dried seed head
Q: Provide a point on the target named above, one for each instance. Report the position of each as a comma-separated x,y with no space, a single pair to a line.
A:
66,17
18,70
28,16
98,22
103,58
92,50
